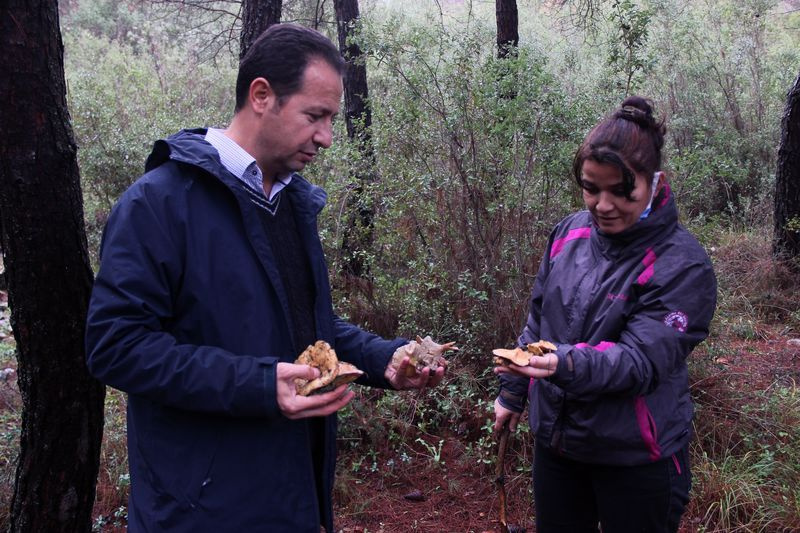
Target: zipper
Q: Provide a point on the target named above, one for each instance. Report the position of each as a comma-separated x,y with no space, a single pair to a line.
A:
558,427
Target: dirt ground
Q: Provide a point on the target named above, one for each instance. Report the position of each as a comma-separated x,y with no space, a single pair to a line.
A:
461,497
453,496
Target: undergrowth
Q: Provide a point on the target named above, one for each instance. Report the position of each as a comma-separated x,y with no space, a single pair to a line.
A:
10,419
744,380
746,452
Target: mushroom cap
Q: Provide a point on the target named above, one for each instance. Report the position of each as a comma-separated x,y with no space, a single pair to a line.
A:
517,356
322,357
541,347
422,354
347,374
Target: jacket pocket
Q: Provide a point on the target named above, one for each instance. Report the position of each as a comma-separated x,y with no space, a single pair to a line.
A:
179,454
647,427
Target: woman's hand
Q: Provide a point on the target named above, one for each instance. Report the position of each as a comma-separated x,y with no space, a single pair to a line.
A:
504,417
539,366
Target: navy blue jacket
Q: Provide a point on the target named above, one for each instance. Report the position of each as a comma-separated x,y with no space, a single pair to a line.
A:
625,312
189,316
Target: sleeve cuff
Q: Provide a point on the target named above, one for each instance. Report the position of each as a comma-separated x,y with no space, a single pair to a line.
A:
566,368
270,374
511,401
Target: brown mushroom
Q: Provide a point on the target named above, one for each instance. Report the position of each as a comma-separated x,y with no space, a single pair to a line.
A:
422,354
541,348
332,371
347,374
518,356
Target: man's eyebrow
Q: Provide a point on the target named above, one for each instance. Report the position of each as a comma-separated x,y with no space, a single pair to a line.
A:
314,108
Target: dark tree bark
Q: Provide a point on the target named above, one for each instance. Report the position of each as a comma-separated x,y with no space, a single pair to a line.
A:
358,118
358,115
507,27
49,277
786,243
257,16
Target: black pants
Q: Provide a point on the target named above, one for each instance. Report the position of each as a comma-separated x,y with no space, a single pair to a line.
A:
574,497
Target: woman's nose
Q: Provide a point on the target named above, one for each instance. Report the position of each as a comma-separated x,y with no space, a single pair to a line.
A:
604,202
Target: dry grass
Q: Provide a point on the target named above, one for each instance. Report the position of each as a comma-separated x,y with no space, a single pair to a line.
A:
753,287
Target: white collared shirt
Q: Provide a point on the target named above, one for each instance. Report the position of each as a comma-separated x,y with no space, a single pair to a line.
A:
243,165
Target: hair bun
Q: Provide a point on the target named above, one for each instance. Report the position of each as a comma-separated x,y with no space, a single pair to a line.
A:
629,137
638,110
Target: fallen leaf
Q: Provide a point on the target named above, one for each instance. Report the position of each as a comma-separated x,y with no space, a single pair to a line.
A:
415,496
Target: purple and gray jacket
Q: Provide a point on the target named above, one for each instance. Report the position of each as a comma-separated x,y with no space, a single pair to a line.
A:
625,311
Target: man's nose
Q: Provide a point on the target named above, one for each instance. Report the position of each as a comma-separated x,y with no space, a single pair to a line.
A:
323,136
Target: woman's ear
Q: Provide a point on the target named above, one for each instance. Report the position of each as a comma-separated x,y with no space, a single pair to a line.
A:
660,179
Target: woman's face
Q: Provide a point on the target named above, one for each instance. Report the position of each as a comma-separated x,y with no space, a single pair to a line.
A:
604,196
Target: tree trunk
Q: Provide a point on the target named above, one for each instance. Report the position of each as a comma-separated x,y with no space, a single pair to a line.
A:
358,234
49,277
257,16
786,243
507,27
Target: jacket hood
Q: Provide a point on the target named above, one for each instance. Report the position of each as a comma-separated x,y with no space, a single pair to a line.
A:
186,146
190,147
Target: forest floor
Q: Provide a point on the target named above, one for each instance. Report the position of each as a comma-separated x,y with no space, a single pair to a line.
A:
454,494
425,478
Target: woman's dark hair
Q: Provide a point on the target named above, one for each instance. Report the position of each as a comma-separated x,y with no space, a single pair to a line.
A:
280,55
630,139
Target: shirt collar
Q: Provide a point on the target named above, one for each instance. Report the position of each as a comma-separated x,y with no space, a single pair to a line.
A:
241,164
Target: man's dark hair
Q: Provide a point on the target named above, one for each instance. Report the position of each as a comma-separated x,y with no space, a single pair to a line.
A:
280,55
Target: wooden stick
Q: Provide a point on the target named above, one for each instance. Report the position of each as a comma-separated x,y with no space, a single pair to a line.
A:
500,480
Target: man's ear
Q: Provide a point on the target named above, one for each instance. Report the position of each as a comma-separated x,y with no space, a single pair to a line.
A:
261,96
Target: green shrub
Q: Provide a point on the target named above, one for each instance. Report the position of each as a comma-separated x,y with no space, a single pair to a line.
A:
128,89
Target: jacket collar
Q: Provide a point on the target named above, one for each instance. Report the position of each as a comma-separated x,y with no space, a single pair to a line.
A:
186,146
659,224
190,147
308,199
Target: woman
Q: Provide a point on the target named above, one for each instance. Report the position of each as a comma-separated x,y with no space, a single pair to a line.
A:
625,293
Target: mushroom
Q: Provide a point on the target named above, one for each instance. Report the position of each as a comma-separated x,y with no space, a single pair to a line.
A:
520,357
422,354
541,348
332,371
347,374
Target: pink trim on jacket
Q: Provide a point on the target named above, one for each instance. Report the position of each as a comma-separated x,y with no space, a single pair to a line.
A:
648,261
677,464
647,427
667,194
602,346
577,233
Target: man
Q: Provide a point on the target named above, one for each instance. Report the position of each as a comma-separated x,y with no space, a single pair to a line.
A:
212,280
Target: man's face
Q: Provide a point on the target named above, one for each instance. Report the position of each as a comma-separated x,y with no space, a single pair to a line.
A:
293,130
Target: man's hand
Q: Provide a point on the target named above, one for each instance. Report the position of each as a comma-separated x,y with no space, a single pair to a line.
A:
400,381
295,406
